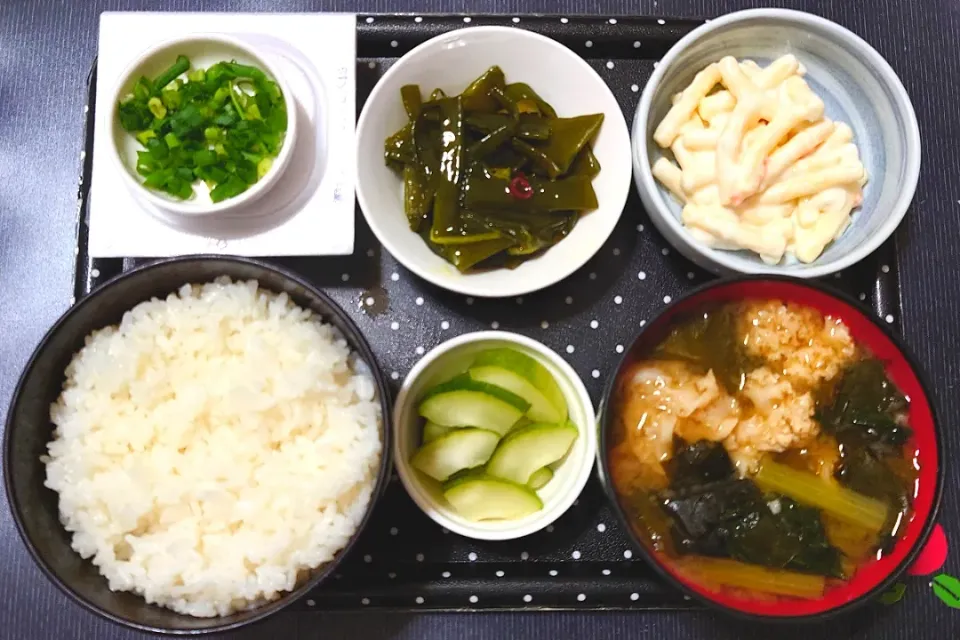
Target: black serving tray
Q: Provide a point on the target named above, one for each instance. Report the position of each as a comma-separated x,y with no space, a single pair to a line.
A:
404,561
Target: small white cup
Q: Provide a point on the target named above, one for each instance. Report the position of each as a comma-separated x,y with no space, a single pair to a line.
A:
569,478
203,50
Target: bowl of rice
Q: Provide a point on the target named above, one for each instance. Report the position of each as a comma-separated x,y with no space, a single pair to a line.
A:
196,444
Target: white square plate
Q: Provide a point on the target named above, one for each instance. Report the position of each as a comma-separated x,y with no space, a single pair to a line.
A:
311,208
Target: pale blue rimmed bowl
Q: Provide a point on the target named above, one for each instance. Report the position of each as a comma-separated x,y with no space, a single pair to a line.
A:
858,87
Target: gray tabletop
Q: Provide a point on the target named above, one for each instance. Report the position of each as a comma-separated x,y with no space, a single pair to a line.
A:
46,49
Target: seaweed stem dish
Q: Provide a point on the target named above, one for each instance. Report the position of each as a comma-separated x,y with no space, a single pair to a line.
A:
772,449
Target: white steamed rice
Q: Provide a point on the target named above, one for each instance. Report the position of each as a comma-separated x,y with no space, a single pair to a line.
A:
213,446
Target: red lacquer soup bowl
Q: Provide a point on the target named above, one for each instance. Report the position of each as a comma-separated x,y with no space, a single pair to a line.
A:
871,578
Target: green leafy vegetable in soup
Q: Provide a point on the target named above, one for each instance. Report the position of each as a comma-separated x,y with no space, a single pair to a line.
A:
492,177
223,126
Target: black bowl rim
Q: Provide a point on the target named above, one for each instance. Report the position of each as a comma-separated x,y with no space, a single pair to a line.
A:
270,608
603,421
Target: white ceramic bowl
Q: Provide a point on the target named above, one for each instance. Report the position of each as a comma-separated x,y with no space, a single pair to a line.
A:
203,50
857,86
569,478
451,61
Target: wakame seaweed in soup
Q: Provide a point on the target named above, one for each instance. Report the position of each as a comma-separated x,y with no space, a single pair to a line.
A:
758,447
492,177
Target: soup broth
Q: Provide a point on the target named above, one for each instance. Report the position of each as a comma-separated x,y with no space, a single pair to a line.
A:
759,449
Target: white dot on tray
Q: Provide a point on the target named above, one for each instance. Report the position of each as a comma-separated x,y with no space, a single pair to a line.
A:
364,601
418,19
564,20
568,299
643,322
589,43
345,276
592,276
369,301
419,301
515,19
634,597
642,275
665,251
889,318
524,555
616,252
570,348
500,574
372,65
444,325
667,299
391,575
581,597
528,598
394,43
419,600
519,300
594,324
661,21
544,324
640,228
635,88
371,252
445,574
311,603
419,351
605,572
369,20
601,527
368,558
617,300
619,348
95,273
472,556
885,268
395,375
419,557
467,19
469,300
575,555
636,44
474,599
609,64
394,325
553,572
394,276
394,531
863,296
690,275
494,325
612,21
628,554
549,528
595,373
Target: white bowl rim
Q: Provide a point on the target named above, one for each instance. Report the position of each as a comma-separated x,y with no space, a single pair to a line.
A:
649,190
583,471
257,189
462,285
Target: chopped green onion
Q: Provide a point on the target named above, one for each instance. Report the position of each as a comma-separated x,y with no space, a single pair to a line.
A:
143,136
222,125
264,166
156,107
